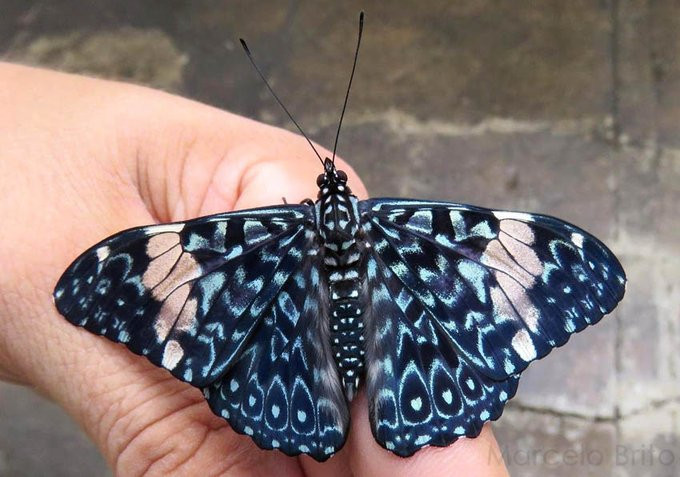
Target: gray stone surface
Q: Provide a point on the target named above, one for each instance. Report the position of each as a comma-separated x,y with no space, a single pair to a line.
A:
38,438
536,444
648,444
137,55
568,108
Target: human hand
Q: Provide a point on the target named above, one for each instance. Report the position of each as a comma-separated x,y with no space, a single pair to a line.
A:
82,159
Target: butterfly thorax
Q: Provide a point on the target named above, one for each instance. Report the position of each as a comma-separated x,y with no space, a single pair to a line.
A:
338,228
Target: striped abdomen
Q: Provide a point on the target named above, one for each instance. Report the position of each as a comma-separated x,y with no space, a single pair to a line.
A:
346,325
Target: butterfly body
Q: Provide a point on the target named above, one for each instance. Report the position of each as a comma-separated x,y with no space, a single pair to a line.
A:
343,255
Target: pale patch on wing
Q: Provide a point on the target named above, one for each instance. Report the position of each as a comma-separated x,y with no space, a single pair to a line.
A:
186,269
161,243
496,256
522,343
519,299
502,307
172,353
518,230
160,268
524,255
170,309
187,319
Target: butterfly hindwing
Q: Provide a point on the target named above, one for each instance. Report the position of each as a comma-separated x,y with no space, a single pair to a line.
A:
420,392
186,295
504,287
284,389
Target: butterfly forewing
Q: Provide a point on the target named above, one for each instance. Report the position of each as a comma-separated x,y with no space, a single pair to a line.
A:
186,295
504,287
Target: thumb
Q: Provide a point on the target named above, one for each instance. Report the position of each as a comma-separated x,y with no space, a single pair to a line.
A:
279,181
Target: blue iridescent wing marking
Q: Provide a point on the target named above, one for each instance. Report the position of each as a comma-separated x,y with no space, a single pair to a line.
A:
506,287
420,392
284,390
187,295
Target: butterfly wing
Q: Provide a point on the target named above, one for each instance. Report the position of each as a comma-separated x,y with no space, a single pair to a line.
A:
420,391
284,390
505,287
187,295
462,300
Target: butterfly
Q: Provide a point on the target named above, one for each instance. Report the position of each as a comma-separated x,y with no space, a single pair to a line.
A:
281,314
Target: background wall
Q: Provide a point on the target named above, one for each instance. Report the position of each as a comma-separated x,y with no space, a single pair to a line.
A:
568,108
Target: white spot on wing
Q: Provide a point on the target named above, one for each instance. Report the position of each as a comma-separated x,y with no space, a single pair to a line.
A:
448,396
103,252
154,229
521,216
172,353
577,239
522,343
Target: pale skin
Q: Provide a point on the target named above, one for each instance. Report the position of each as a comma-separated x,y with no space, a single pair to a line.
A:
81,159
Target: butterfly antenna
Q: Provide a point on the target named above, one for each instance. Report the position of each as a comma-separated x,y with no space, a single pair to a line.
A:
250,57
349,86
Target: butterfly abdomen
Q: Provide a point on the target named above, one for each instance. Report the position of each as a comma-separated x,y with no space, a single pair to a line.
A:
347,325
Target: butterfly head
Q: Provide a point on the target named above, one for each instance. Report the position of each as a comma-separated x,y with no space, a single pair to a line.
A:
332,180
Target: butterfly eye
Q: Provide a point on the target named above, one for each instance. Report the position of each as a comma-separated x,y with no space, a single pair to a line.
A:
319,180
342,176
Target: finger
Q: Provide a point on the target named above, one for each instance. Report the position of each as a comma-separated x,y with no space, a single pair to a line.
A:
288,176
478,457
202,161
337,466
